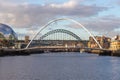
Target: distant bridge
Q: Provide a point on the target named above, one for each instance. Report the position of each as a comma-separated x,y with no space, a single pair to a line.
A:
62,35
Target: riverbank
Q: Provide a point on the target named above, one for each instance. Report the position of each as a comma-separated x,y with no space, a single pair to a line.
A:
116,53
13,52
17,52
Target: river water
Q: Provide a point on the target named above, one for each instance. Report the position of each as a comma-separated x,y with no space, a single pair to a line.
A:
60,66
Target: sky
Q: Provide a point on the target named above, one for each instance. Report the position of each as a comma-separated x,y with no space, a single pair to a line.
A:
102,17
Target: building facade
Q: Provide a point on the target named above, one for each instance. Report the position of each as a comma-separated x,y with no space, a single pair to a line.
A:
103,41
27,39
115,45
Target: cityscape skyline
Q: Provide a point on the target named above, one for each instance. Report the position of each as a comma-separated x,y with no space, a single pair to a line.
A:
26,17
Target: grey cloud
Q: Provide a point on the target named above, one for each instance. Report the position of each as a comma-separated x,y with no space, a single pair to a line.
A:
26,15
106,25
103,25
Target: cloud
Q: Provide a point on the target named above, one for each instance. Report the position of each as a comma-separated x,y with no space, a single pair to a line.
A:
108,25
104,25
33,16
69,4
26,15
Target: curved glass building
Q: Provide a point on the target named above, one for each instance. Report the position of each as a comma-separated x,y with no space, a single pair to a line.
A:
7,32
7,35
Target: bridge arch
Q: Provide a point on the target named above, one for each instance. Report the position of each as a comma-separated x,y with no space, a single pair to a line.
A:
60,31
46,25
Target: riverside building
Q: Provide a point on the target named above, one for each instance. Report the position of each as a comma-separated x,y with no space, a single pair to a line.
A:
115,44
103,41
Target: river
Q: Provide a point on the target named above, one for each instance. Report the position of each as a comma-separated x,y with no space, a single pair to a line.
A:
60,66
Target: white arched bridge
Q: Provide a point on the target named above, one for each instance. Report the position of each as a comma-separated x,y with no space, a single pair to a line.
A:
62,31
